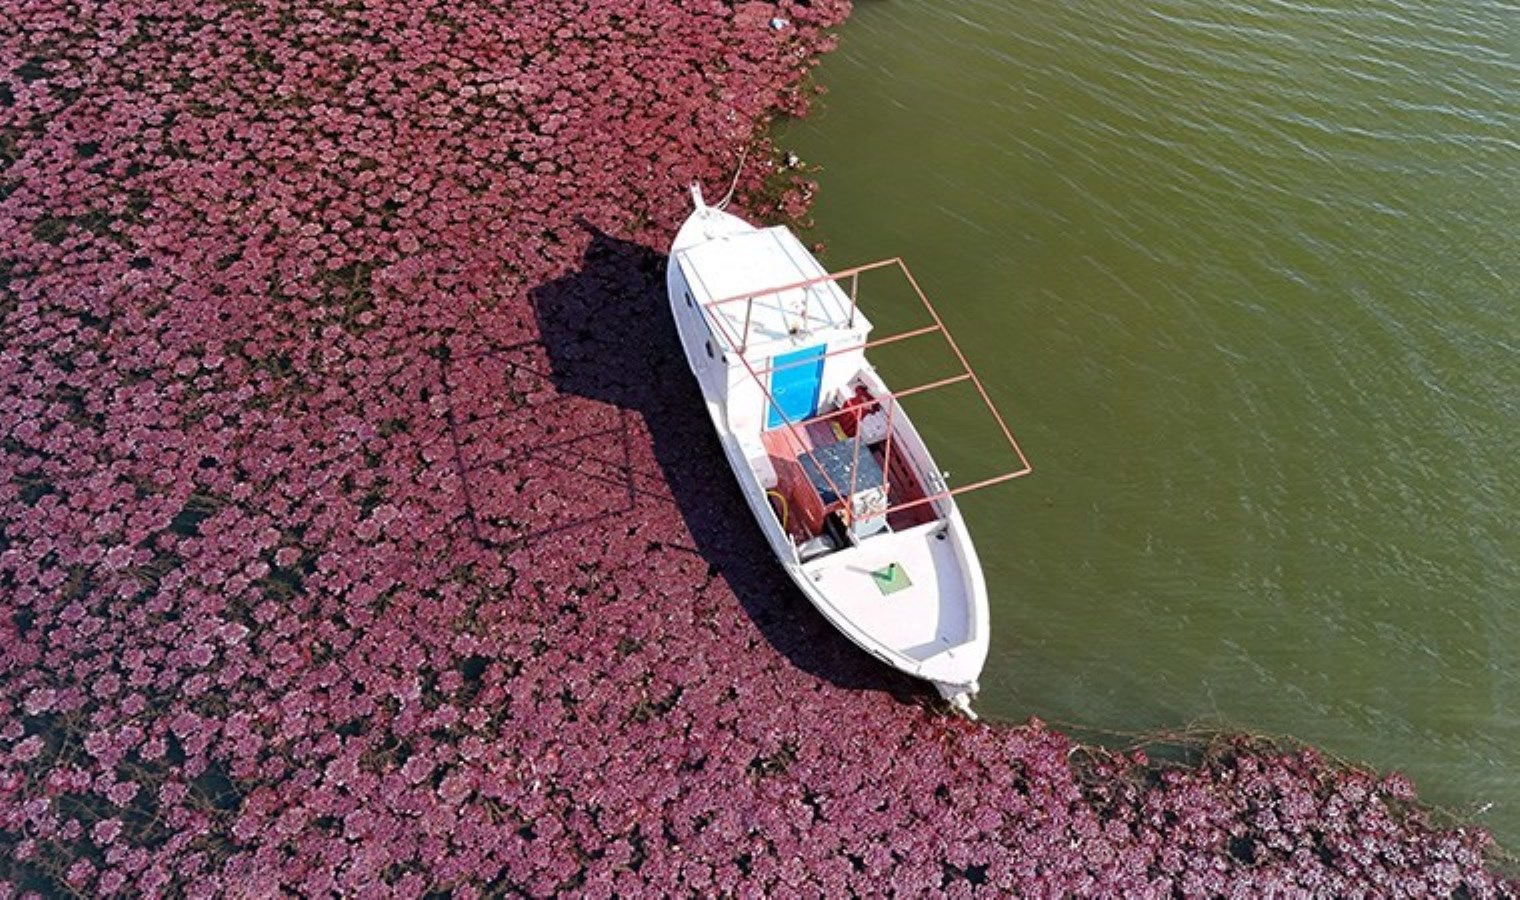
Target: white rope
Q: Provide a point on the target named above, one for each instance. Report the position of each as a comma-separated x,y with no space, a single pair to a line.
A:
735,183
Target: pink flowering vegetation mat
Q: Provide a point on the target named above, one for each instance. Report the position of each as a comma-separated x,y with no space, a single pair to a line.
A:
361,531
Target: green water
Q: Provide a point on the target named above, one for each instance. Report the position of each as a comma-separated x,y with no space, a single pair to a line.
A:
1244,279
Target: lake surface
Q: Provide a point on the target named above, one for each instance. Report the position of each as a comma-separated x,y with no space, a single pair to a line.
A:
1244,279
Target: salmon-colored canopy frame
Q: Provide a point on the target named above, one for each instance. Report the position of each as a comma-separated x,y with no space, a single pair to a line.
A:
889,399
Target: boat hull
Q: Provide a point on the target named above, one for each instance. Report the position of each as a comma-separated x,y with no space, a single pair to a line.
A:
936,629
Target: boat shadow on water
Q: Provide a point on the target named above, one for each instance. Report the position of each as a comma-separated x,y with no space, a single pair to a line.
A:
608,335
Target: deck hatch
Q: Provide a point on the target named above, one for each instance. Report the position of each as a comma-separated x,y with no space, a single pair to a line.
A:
891,579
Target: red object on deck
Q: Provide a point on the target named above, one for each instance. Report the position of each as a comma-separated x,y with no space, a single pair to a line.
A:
854,410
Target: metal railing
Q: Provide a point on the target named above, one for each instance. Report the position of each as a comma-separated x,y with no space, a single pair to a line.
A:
748,298
891,399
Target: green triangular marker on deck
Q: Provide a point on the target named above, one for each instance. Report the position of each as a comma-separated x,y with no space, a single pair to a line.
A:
892,579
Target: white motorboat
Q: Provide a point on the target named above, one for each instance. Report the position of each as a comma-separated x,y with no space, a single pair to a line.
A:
841,483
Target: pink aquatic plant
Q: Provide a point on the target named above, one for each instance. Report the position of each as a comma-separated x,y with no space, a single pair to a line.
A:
359,533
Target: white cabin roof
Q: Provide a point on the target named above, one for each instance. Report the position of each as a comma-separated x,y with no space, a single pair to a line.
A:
735,264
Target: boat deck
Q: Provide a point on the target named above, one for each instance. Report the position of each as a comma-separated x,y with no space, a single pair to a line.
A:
904,589
903,486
